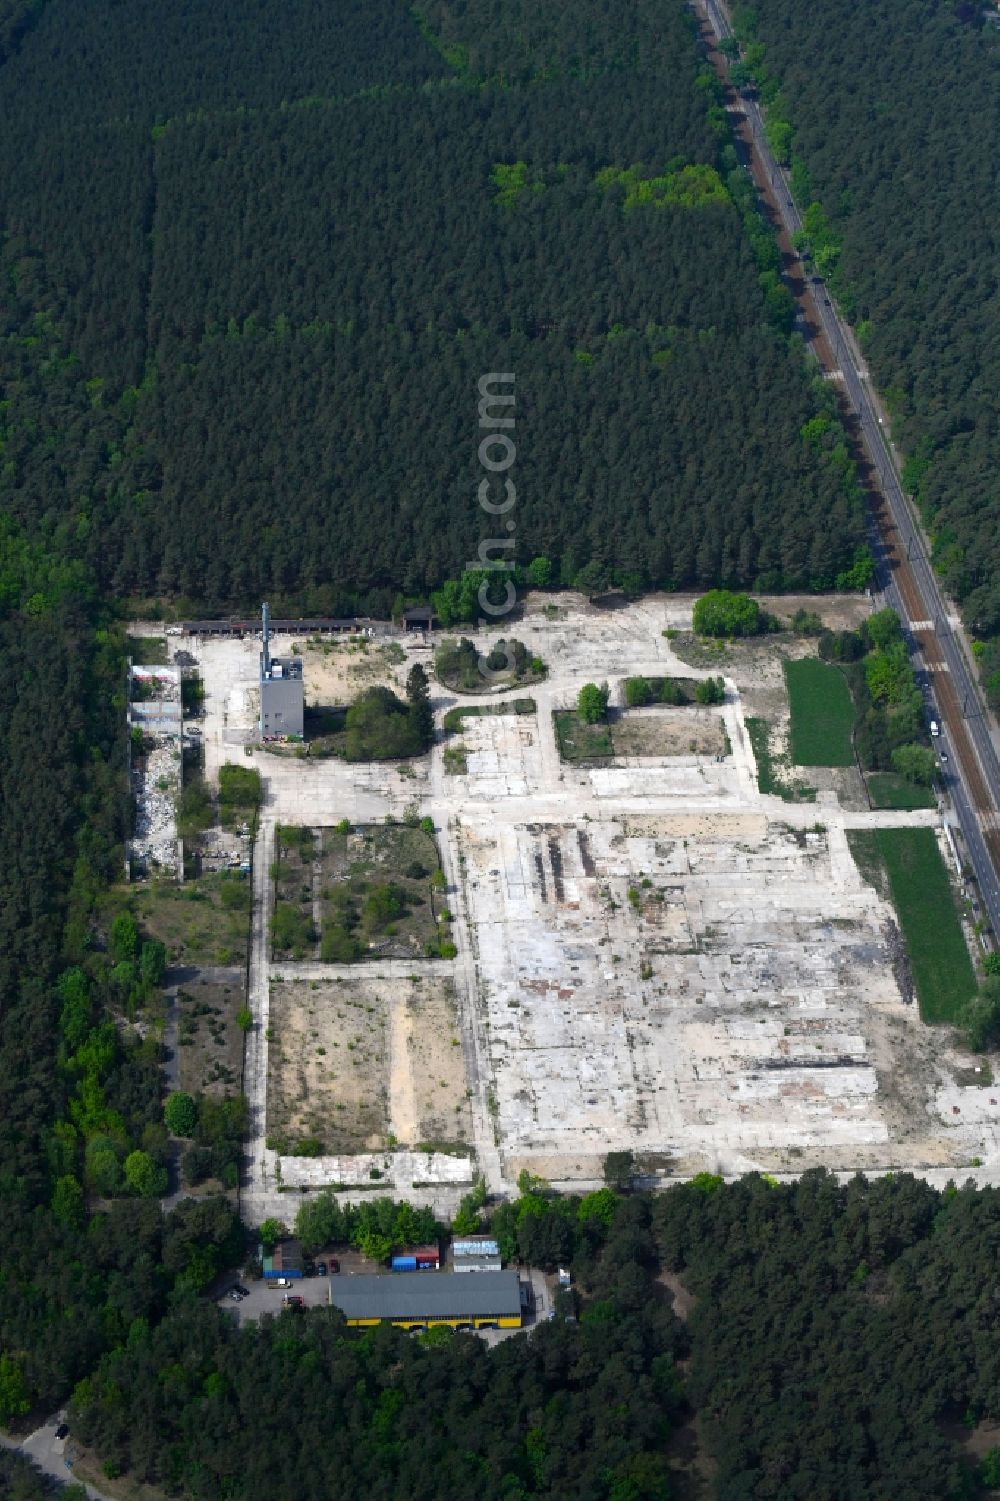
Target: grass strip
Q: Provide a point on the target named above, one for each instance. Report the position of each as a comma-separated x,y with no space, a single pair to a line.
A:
887,789
922,895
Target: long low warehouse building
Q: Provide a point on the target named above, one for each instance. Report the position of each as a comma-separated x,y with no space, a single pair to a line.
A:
420,1300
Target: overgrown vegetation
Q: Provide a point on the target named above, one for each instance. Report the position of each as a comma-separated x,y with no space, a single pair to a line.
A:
770,766
579,741
507,665
641,692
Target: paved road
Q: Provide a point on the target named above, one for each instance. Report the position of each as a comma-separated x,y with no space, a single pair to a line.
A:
50,1453
972,772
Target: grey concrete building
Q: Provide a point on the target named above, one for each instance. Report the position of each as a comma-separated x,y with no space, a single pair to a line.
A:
282,691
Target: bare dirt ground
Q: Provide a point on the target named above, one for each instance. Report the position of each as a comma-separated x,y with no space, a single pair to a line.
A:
328,1064
427,1080
336,670
669,732
210,1044
365,1064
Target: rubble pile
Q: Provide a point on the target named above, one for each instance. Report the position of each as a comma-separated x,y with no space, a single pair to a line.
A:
156,787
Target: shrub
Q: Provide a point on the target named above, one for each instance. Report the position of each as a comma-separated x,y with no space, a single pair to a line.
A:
338,946
236,896
722,613
240,786
180,1114
289,929
711,691
592,703
637,692
383,905
916,763
124,942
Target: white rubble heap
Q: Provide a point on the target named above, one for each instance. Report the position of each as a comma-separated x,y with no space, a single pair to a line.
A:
156,789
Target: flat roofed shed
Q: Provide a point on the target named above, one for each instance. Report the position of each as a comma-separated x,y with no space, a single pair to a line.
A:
428,1298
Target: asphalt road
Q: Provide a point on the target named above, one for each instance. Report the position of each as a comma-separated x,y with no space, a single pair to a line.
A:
971,773
50,1454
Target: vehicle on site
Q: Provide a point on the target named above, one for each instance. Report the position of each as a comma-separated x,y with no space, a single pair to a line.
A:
334,1266
62,1430
292,1300
321,1268
309,1268
935,728
278,1282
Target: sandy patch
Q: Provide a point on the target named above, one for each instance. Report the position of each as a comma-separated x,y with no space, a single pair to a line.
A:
705,825
336,670
438,1081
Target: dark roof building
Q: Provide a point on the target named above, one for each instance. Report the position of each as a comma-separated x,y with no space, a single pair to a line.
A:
422,1299
418,618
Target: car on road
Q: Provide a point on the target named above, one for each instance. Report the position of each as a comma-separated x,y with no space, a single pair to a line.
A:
935,728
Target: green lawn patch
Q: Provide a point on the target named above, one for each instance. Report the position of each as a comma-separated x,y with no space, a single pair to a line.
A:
147,651
581,742
822,714
928,916
887,789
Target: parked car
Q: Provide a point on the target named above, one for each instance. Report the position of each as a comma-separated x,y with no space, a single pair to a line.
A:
236,1295
935,728
309,1267
244,1292
321,1268
62,1430
278,1282
334,1265
293,1301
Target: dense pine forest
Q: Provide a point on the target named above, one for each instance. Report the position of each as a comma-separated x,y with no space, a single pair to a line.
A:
836,1333
255,263
889,114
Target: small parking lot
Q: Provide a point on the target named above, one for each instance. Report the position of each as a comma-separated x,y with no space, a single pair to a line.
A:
265,1297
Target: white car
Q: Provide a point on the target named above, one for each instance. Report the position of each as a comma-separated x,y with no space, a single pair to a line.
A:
935,728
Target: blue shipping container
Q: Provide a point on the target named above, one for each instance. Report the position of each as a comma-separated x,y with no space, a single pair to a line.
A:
404,1263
